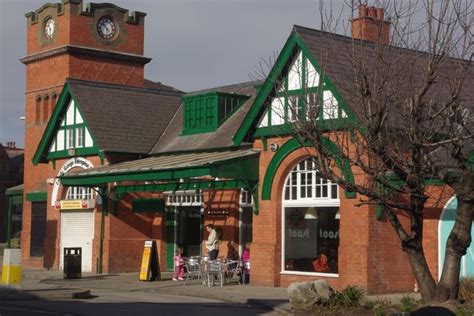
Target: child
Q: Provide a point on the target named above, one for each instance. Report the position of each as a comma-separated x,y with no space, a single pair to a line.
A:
178,265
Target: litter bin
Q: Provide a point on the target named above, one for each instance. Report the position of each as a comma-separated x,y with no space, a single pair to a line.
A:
72,263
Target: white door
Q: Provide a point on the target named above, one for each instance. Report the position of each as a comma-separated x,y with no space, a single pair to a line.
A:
77,230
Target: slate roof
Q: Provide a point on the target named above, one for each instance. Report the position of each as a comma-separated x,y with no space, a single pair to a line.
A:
122,118
160,86
171,141
340,55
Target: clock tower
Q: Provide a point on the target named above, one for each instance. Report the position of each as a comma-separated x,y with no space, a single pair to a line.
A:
101,42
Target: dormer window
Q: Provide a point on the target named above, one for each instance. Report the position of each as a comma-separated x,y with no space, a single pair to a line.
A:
204,113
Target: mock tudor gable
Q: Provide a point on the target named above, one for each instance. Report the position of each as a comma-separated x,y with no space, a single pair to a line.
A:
94,118
295,75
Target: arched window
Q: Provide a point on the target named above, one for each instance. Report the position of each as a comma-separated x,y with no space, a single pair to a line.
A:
38,109
310,222
45,108
79,193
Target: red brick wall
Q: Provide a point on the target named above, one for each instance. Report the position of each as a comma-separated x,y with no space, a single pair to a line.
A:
370,255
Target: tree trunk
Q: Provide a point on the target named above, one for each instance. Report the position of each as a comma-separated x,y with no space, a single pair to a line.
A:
420,268
458,241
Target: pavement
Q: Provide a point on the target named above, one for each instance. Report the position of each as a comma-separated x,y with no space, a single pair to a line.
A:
51,285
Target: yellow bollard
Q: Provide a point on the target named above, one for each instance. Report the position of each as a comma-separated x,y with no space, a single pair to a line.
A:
11,269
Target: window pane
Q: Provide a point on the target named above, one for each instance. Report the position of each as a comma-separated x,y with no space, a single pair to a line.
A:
334,191
311,239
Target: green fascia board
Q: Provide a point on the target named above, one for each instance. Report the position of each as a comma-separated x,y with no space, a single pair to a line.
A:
330,125
238,168
275,130
294,144
199,96
42,151
36,196
281,63
182,186
89,151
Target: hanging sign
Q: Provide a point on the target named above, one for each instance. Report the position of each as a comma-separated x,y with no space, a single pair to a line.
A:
149,268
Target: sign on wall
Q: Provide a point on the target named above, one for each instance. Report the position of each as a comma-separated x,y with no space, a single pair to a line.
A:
68,165
74,204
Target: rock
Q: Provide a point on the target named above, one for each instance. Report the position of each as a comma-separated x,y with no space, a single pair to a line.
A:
322,288
304,295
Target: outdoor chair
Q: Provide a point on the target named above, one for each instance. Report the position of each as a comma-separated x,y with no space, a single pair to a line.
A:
232,271
215,271
193,269
245,272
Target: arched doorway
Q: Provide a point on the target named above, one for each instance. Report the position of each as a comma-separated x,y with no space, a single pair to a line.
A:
446,224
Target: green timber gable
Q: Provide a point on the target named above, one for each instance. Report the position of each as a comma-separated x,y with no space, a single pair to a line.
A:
67,133
276,86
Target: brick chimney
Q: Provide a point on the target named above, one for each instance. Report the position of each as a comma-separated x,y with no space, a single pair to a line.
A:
370,25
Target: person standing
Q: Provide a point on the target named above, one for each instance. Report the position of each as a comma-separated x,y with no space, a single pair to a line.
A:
178,265
246,264
212,243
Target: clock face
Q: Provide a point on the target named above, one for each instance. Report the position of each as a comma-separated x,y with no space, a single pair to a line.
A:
49,28
106,27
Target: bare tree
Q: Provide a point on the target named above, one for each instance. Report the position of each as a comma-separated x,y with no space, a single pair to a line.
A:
413,104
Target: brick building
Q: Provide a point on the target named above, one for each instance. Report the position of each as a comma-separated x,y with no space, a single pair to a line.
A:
114,159
11,174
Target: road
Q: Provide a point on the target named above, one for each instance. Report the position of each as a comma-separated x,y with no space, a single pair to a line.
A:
106,302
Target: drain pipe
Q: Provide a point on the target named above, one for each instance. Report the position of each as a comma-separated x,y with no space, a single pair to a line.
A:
105,206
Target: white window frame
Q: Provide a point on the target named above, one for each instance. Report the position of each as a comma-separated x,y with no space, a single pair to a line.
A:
184,198
304,202
79,193
80,137
70,138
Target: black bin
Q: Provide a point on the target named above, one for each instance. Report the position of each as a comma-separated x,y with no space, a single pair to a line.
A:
72,263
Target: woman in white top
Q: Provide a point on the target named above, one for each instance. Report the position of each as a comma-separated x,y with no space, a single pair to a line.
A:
212,243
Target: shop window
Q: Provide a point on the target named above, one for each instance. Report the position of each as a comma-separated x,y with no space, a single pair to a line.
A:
310,218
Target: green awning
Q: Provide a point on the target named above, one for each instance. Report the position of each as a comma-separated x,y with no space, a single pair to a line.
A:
241,164
36,196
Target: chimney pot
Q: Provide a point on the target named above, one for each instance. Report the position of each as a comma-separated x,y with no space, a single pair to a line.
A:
380,13
372,12
362,11
370,25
